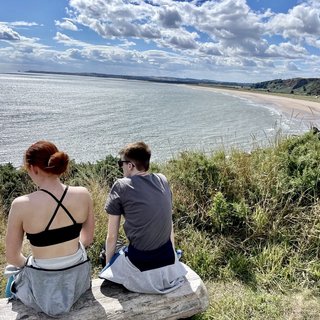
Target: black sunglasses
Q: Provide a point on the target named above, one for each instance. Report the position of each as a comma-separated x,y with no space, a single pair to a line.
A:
121,162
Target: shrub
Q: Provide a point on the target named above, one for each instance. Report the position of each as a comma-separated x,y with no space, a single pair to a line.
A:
13,183
104,172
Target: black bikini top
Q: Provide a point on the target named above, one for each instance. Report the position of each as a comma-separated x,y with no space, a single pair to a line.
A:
59,235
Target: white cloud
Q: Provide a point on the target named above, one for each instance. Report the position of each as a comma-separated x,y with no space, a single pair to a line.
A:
291,66
169,17
23,24
287,50
313,41
180,36
8,34
127,44
66,24
60,37
67,41
178,25
249,63
301,21
211,49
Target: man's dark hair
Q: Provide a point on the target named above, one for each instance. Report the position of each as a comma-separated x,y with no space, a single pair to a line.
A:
138,153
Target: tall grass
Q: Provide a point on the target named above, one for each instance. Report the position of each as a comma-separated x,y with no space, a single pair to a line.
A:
247,218
253,217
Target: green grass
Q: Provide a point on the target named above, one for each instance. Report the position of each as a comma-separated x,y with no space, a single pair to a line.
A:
248,223
235,301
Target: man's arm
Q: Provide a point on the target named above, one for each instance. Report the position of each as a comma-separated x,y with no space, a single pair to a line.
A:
112,236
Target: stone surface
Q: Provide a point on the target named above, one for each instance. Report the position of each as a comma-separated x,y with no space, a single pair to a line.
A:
107,300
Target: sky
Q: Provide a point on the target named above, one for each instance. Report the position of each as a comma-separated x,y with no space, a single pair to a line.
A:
222,40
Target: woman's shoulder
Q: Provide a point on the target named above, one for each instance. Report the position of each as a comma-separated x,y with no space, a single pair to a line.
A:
22,200
22,203
78,191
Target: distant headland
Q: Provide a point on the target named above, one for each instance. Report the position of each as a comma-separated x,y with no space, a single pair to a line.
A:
294,86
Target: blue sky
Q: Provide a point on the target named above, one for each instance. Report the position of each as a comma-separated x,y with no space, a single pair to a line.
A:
224,40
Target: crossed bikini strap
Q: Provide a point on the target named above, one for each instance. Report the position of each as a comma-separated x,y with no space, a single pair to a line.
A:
59,204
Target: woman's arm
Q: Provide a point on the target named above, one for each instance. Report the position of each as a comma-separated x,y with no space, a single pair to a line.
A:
15,234
112,236
87,231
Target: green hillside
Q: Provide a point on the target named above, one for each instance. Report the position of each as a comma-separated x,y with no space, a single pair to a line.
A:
301,86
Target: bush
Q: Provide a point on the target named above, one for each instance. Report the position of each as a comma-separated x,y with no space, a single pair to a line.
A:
104,172
13,183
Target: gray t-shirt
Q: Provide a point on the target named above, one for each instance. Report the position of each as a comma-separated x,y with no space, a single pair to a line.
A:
146,204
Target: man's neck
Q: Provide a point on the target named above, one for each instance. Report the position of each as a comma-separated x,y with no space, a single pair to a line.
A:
136,172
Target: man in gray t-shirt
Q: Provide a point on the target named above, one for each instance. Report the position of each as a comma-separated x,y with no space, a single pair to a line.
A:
149,264
143,198
145,203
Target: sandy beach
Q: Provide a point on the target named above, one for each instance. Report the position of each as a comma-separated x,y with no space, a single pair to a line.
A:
304,110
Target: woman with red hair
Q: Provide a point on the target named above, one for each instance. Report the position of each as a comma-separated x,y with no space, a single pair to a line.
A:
58,222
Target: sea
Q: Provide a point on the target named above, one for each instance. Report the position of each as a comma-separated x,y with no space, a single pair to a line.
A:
91,117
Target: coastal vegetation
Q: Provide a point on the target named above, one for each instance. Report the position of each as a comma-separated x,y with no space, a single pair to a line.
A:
301,86
247,223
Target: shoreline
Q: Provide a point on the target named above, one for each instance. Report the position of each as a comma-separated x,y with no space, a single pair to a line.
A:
303,110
